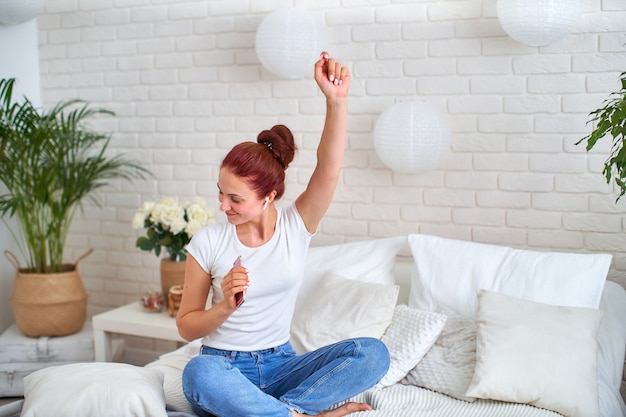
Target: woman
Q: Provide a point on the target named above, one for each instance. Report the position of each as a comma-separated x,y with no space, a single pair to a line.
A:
254,264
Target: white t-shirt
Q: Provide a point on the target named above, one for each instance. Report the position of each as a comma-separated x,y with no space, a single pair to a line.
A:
275,270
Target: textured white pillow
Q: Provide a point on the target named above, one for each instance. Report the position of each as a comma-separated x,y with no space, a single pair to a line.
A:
450,272
409,336
448,366
341,308
95,390
537,354
367,261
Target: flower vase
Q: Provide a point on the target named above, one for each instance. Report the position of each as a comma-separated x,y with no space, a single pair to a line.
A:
172,273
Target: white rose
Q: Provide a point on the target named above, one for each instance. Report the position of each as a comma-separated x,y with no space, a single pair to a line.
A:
171,214
155,213
177,225
138,220
146,208
198,213
169,201
193,227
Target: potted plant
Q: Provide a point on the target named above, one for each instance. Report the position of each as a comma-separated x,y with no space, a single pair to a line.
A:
50,162
611,119
170,224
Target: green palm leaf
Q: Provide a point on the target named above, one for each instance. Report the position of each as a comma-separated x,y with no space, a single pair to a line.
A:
50,162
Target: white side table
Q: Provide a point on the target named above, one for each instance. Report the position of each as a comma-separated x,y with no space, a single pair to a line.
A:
130,319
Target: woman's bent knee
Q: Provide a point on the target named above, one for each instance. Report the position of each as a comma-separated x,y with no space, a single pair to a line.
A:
198,376
376,354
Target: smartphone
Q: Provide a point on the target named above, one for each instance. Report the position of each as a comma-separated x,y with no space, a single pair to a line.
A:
240,297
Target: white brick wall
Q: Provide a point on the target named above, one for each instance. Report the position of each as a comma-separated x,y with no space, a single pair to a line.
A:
186,85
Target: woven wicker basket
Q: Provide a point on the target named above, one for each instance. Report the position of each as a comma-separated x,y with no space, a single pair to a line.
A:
49,304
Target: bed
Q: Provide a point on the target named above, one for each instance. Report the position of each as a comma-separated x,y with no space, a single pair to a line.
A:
474,330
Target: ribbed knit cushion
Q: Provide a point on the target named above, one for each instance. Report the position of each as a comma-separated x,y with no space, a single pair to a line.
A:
171,366
449,365
409,336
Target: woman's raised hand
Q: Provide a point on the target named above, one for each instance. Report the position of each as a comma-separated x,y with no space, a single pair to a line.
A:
332,77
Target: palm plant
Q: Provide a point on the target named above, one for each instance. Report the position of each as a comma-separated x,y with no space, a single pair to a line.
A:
610,120
50,162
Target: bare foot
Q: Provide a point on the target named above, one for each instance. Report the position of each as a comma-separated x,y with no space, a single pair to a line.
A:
344,410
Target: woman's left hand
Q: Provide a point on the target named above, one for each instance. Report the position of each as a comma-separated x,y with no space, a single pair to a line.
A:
332,77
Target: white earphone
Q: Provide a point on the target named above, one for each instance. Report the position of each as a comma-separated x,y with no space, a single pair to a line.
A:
267,201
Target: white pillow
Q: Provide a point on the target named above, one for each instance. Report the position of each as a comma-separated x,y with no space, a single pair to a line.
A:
341,308
408,338
368,261
101,389
448,366
538,354
450,272
611,337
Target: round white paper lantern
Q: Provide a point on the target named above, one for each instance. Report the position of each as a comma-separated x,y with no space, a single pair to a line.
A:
538,22
289,42
13,12
412,137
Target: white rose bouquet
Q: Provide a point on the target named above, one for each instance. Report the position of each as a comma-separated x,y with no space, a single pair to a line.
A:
171,224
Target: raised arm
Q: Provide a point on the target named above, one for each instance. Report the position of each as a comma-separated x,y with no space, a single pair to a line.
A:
333,80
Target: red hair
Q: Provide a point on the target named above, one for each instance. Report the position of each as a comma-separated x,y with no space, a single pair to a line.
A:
263,163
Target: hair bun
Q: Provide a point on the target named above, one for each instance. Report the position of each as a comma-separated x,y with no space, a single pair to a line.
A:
279,140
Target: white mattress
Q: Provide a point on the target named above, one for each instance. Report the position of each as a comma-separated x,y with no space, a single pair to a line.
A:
411,401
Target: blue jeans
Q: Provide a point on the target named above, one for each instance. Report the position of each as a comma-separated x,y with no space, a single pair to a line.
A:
273,382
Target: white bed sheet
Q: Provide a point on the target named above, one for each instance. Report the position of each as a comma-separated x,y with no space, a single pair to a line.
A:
410,401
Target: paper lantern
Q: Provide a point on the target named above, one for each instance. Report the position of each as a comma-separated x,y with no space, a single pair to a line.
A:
13,12
538,22
289,42
412,137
